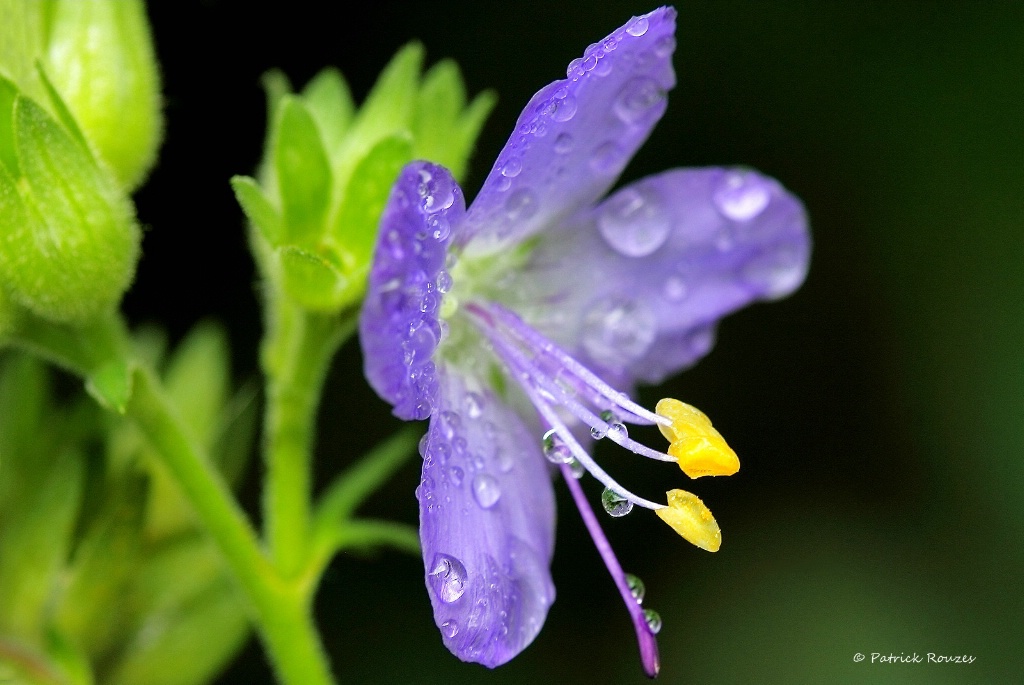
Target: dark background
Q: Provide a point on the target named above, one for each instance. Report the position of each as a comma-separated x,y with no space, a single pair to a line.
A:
877,412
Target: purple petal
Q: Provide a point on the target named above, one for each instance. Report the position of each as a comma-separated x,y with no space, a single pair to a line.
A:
641,280
487,524
576,135
399,327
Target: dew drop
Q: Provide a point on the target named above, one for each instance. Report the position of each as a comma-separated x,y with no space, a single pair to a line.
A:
775,273
555,450
618,429
564,109
473,404
615,504
634,222
456,474
653,619
665,46
618,331
576,468
637,26
436,192
674,289
742,196
563,143
511,167
636,588
449,629
443,282
575,69
486,490
450,423
521,204
607,157
448,577
598,433
637,98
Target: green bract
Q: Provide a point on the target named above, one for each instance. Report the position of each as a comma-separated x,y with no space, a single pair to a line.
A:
69,241
328,169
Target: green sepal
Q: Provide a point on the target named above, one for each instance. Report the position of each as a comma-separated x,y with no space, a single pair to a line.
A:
303,172
313,281
258,209
354,229
60,108
8,153
34,543
197,379
100,57
236,434
110,384
330,102
22,40
70,245
389,106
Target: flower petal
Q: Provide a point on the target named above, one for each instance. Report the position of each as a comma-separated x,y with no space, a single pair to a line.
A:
399,327
576,135
487,524
635,286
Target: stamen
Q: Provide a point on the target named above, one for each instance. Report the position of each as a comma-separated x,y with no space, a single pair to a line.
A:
699,448
688,516
644,634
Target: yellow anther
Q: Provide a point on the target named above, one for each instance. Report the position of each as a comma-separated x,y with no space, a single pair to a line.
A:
690,518
698,448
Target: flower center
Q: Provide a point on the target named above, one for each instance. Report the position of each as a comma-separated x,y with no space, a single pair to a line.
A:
553,380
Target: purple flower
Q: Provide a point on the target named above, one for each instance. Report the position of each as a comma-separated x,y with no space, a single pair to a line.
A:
517,327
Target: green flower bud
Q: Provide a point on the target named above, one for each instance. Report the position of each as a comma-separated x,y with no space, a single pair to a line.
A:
69,242
99,55
328,170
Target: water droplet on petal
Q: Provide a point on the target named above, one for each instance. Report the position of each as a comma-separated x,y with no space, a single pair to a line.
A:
474,405
634,222
618,429
521,204
607,158
564,109
637,98
443,282
653,619
603,68
448,577
618,331
674,289
741,196
598,433
436,192
776,273
449,629
563,143
637,26
636,588
615,504
456,474
511,167
665,46
486,490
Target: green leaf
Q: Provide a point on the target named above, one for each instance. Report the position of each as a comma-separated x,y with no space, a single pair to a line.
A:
71,243
35,542
111,385
258,209
90,611
329,100
468,130
22,37
312,281
237,433
185,645
303,172
354,229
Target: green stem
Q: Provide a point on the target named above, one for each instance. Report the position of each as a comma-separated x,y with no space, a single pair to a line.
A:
281,609
297,354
